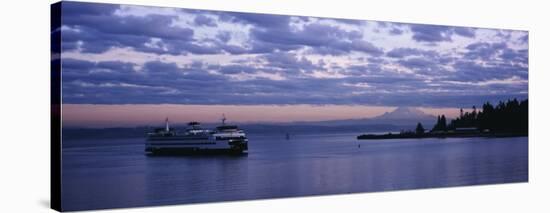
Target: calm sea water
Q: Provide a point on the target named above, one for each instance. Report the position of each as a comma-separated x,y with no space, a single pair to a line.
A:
116,173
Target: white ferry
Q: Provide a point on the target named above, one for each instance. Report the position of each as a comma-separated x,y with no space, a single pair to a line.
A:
223,139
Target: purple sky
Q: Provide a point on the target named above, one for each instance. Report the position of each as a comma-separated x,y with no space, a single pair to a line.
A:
120,55
121,115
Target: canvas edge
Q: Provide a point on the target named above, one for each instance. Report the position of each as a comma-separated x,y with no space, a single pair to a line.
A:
55,106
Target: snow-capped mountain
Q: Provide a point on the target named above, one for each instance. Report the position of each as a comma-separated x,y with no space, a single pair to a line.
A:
401,116
405,113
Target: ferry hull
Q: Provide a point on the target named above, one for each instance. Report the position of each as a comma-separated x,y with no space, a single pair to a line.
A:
205,147
194,151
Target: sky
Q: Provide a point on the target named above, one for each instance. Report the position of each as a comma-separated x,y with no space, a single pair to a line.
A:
134,57
93,115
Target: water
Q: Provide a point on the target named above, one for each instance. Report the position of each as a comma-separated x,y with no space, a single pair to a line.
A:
116,173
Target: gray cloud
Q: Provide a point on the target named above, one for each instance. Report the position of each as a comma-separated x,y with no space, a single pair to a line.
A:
404,52
437,33
202,20
366,74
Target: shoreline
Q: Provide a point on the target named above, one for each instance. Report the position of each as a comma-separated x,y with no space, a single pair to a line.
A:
438,135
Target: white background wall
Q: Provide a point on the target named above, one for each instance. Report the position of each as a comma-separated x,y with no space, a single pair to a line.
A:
24,98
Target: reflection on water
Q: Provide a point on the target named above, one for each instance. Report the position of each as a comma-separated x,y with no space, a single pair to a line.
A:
116,173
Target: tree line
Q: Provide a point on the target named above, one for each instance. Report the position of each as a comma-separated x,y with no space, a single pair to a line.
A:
509,117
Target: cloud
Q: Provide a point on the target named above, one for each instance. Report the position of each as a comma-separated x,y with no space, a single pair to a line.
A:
288,62
404,52
349,21
524,39
209,57
158,82
393,28
416,63
518,56
259,20
465,31
496,52
396,31
361,70
84,9
95,28
437,33
96,72
475,72
322,39
224,36
430,33
202,20
235,69
100,29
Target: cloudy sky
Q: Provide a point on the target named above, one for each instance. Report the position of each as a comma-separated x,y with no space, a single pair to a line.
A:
133,56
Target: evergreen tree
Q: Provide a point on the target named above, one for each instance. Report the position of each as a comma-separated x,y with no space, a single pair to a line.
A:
419,129
443,123
506,117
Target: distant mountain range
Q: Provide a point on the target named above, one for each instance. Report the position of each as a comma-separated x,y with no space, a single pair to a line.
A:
402,116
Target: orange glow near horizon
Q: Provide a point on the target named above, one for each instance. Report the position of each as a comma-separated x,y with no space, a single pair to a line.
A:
126,115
